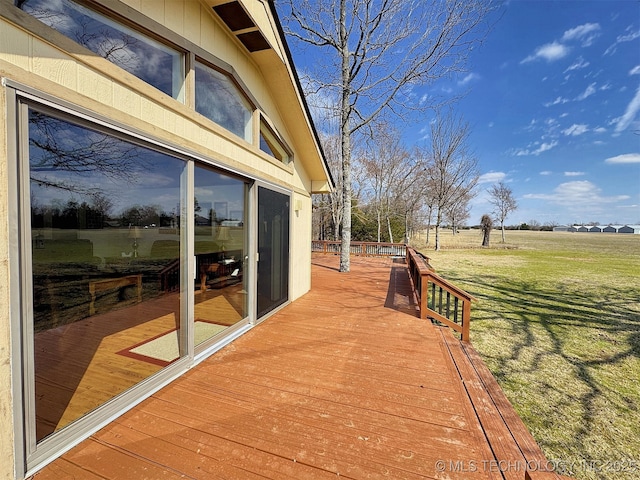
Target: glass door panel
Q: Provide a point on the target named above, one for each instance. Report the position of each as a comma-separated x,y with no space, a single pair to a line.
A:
273,250
220,299
106,257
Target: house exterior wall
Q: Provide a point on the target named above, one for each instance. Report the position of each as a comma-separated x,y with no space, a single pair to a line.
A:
33,55
6,403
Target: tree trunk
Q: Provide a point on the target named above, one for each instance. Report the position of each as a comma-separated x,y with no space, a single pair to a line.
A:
389,228
437,237
345,126
486,233
502,227
406,228
429,225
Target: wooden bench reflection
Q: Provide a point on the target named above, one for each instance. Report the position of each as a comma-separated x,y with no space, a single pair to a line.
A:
111,284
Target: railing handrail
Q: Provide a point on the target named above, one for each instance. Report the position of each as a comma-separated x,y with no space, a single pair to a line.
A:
378,249
422,274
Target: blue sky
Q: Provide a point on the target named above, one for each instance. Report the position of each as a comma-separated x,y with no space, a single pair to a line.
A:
554,106
553,101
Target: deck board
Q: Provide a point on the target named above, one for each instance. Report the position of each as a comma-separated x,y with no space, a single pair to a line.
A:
346,382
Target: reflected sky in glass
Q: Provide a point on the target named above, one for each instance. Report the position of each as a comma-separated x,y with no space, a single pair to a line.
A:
73,162
218,99
141,56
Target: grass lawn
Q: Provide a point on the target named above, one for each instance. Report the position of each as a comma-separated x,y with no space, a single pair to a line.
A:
558,323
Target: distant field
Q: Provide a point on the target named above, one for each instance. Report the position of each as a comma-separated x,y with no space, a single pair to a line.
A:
558,323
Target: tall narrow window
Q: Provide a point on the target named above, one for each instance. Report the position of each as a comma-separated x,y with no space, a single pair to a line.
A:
138,54
107,251
218,99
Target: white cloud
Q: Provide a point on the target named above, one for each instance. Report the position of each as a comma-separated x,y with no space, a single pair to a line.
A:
469,78
630,113
575,130
574,174
624,158
557,101
549,52
577,65
586,33
628,37
590,90
600,130
546,172
542,148
492,177
635,70
580,193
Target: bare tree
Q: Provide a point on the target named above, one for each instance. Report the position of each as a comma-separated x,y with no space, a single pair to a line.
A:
333,200
458,212
452,173
486,224
387,168
501,197
373,52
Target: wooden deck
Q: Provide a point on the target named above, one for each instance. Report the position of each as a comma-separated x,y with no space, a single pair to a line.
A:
346,382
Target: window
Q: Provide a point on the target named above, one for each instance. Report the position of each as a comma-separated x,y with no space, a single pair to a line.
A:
218,99
270,144
144,57
107,252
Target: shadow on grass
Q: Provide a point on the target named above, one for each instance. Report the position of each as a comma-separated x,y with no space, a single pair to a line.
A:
587,331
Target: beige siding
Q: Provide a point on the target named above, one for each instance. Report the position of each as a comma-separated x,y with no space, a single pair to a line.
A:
300,278
6,404
15,46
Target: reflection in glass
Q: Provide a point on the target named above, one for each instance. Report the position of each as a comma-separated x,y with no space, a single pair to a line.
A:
219,227
218,99
147,59
271,145
106,262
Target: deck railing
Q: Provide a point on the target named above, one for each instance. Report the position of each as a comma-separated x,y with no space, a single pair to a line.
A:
368,249
439,299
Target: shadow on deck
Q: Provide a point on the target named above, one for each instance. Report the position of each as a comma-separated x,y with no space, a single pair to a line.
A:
345,382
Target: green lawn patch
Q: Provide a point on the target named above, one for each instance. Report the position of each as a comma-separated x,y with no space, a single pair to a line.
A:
558,324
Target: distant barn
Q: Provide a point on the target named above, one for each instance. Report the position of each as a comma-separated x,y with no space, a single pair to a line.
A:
630,229
596,229
612,228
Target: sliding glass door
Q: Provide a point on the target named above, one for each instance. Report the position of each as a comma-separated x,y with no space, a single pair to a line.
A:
220,290
273,250
105,262
135,263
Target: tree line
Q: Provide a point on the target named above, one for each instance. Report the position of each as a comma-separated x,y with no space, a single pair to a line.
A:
399,191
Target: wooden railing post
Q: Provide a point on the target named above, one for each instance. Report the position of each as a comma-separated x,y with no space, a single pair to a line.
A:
466,320
430,286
